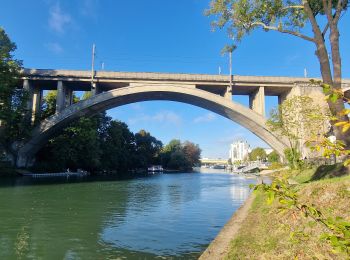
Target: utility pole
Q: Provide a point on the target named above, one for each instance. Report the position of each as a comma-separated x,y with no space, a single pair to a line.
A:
231,79
231,76
93,65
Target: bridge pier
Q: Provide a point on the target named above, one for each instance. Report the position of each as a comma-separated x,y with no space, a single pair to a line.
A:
34,100
64,96
95,89
257,100
228,93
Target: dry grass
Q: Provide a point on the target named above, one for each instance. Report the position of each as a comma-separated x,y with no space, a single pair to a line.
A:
266,233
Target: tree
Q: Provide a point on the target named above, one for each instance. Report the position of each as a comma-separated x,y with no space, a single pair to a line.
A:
119,149
148,149
178,156
192,153
298,119
78,146
241,17
173,146
13,101
257,154
273,157
49,103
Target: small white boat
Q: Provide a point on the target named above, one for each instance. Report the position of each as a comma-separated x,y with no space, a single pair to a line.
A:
155,168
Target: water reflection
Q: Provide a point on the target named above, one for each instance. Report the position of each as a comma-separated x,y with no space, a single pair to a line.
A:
164,215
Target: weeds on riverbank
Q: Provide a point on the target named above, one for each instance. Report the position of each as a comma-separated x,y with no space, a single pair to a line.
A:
299,223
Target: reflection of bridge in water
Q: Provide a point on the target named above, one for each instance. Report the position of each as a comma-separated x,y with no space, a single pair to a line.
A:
113,89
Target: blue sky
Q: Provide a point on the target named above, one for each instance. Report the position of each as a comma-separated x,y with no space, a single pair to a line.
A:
157,36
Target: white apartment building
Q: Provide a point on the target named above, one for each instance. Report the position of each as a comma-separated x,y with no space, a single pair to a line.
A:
239,151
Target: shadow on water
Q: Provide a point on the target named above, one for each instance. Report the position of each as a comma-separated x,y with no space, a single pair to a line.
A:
20,180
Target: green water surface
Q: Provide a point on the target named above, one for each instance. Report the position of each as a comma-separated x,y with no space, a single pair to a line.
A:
165,216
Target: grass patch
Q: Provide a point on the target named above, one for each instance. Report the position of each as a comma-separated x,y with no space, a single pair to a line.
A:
268,234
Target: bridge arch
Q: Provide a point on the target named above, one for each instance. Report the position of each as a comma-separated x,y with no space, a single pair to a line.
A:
146,92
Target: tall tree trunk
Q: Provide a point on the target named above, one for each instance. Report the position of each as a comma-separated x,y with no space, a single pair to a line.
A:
338,106
322,55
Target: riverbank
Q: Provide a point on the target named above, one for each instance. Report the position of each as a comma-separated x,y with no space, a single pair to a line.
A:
266,233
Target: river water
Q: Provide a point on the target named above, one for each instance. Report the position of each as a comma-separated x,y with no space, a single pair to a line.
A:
165,216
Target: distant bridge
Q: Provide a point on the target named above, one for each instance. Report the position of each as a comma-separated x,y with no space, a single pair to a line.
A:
113,89
215,161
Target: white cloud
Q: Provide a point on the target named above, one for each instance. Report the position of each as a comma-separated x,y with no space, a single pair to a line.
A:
205,118
136,106
169,117
58,19
54,47
89,8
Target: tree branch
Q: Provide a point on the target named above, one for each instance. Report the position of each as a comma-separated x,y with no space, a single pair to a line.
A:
294,7
338,11
327,7
312,19
325,30
273,28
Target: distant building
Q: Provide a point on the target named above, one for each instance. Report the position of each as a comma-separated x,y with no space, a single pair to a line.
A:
239,151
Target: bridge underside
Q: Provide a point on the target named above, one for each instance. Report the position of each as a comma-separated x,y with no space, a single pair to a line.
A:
122,96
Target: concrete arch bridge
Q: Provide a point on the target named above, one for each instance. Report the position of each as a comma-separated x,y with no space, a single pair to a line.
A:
113,89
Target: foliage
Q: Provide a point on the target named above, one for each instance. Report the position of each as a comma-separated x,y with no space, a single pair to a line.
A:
273,157
13,101
192,153
297,119
147,149
78,146
49,104
275,166
293,157
324,143
99,144
118,148
338,229
257,153
180,156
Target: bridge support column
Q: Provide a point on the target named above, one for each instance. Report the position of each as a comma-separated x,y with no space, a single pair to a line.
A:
61,96
257,101
34,100
68,97
95,90
228,93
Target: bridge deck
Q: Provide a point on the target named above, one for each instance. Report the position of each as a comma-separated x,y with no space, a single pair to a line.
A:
242,85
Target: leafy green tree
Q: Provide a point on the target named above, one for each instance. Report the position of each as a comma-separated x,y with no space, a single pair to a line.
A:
241,17
148,149
257,153
178,160
178,156
78,146
173,146
119,149
49,103
298,119
13,101
273,157
192,153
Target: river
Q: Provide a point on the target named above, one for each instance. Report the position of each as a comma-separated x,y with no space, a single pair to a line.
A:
164,216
